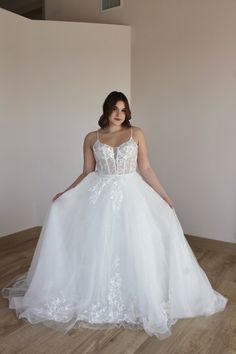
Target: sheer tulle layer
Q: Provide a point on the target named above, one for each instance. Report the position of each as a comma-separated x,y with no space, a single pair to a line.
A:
112,253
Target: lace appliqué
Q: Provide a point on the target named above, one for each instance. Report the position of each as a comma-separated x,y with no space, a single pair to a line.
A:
108,311
115,160
115,303
116,195
57,308
112,188
111,164
96,189
113,310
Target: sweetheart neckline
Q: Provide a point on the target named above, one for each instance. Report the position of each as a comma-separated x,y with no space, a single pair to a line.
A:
113,147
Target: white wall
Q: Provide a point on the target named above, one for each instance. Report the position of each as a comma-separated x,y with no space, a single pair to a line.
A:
17,205
54,79
183,84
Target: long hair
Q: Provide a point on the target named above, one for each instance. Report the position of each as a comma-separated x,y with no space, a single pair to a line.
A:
108,106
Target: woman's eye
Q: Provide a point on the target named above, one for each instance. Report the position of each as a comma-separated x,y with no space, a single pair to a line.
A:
116,109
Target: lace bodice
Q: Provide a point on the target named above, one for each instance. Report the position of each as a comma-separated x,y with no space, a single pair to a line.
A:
119,160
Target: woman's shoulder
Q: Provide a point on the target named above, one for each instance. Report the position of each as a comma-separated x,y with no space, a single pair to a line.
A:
137,130
90,137
134,127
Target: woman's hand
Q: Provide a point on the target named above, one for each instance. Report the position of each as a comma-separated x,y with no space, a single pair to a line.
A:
168,201
57,196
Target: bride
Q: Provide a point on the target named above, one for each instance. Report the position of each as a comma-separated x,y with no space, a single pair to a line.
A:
111,251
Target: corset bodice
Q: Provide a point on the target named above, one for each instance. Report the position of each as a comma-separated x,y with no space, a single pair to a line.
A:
119,160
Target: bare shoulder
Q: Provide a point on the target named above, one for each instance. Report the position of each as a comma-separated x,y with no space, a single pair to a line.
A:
90,137
138,133
137,130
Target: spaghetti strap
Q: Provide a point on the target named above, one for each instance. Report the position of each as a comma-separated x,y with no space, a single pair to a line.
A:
130,132
97,135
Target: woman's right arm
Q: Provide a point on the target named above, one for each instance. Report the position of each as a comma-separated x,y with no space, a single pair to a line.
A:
88,165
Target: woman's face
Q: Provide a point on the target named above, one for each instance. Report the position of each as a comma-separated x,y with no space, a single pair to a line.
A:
118,113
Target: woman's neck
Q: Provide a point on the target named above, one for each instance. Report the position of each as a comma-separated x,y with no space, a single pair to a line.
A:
114,129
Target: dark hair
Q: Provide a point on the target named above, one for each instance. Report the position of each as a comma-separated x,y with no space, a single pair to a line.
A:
108,105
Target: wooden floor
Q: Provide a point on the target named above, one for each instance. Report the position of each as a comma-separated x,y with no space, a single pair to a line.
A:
204,335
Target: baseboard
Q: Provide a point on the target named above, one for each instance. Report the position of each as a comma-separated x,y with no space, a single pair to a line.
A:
194,241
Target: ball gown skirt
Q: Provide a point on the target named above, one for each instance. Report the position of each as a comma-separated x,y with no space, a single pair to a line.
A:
112,253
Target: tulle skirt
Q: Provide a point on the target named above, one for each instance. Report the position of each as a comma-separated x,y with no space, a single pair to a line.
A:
112,253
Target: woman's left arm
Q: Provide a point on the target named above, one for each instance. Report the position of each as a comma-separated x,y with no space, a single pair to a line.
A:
146,170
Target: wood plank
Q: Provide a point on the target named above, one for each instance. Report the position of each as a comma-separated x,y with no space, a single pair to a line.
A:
204,335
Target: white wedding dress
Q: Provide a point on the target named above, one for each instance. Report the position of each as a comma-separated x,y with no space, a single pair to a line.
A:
112,253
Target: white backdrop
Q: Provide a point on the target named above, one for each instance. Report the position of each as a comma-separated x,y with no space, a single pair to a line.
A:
54,79
183,89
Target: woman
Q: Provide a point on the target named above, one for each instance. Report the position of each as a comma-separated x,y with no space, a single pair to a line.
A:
112,251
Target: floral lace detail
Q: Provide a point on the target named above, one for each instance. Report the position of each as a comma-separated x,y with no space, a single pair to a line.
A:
111,164
115,160
56,309
96,189
115,301
116,195
112,309
108,310
113,187
61,313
